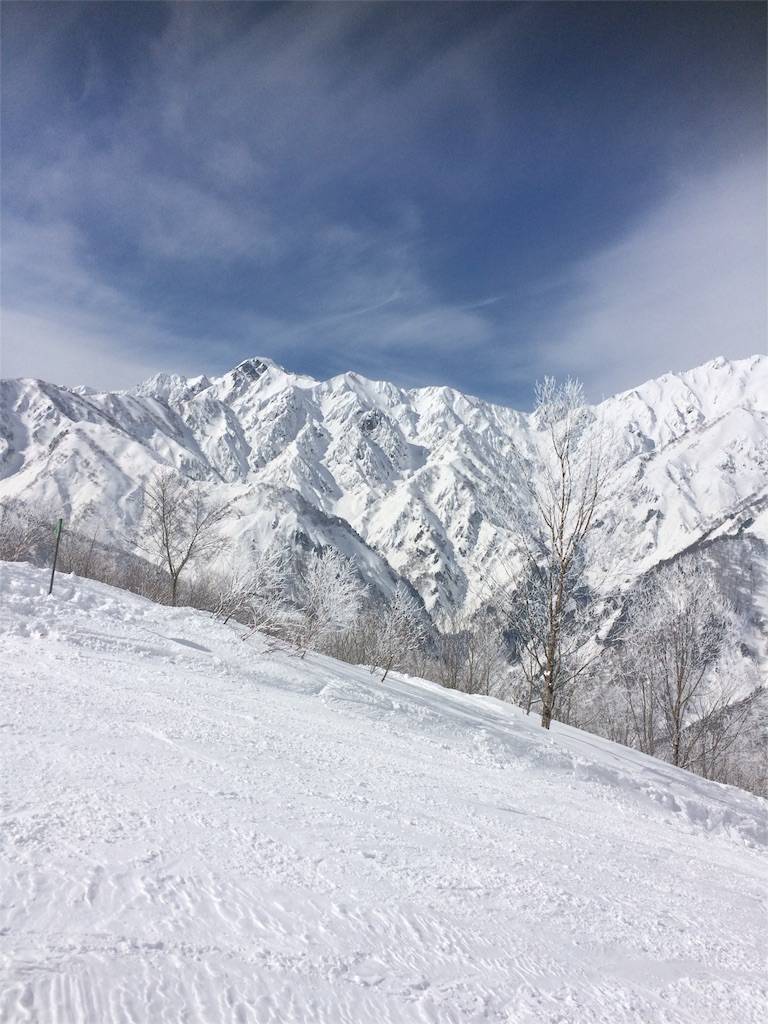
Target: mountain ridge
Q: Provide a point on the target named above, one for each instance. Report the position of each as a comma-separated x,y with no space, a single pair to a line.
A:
403,480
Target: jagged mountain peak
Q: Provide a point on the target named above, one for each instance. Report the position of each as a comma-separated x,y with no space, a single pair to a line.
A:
170,387
407,475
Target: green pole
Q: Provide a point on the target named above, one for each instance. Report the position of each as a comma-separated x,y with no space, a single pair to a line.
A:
55,555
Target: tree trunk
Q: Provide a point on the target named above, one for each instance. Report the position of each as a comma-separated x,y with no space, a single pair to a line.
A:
677,727
547,702
676,746
548,690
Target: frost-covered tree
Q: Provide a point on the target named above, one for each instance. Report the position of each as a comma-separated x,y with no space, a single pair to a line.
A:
253,589
401,630
26,531
328,595
180,524
554,508
679,632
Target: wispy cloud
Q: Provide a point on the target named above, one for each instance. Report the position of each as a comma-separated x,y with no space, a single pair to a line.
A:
340,186
683,285
61,322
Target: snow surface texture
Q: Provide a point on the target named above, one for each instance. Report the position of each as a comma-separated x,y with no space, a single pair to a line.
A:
402,480
197,829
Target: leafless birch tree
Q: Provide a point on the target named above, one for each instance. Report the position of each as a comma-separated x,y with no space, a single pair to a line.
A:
180,524
678,666
554,514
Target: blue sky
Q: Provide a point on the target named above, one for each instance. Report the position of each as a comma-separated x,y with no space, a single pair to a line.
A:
470,194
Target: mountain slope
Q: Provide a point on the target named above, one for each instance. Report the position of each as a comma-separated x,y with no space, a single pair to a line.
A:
198,829
402,479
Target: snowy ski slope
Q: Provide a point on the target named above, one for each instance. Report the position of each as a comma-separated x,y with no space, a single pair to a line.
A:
197,830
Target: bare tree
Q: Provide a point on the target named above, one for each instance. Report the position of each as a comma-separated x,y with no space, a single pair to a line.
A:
180,524
549,604
641,700
356,644
451,652
401,630
26,532
679,631
81,551
137,574
328,594
719,734
485,653
469,653
602,706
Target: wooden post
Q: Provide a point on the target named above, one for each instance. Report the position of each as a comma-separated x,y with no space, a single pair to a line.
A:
55,555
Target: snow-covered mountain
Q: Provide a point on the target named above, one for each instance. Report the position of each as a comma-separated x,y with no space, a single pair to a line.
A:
200,829
404,479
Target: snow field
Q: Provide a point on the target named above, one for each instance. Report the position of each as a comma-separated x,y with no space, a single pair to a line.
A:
200,829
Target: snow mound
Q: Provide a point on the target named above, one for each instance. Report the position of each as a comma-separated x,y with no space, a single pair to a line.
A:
202,829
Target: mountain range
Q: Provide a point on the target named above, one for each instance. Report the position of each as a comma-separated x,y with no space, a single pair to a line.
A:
405,481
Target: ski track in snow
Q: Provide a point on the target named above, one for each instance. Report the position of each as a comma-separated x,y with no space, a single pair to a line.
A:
196,829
